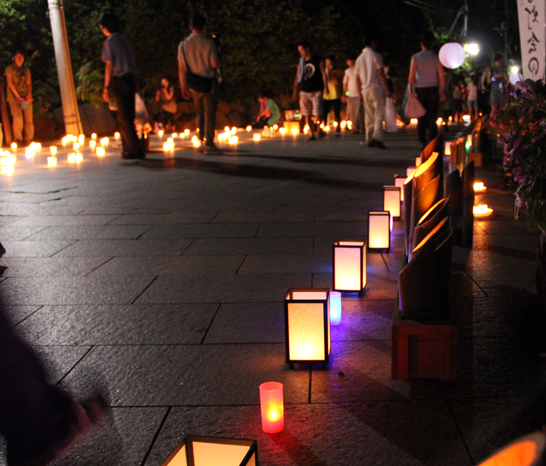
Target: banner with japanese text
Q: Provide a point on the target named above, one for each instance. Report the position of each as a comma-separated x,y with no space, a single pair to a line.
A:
532,35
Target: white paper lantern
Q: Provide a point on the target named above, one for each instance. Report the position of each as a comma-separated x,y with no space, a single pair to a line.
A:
452,55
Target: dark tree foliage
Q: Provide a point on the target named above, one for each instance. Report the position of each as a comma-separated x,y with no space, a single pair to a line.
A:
258,37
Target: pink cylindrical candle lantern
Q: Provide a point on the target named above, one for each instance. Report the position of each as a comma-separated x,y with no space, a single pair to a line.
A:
272,407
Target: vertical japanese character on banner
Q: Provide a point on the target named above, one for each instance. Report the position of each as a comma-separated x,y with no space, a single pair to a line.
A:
532,21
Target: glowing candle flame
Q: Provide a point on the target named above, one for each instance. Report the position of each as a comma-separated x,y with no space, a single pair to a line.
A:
92,144
257,137
482,210
100,151
282,131
53,150
94,136
479,187
104,142
52,161
295,131
14,145
160,133
249,128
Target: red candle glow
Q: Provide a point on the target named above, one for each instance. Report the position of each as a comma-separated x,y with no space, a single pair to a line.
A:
272,407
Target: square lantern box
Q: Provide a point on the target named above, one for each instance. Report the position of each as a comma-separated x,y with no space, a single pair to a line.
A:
349,260
391,200
379,230
399,182
212,451
307,325
290,126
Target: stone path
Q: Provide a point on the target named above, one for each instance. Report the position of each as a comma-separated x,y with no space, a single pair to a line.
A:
164,281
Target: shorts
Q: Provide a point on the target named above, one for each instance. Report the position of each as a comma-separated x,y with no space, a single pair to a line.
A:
472,103
310,103
498,98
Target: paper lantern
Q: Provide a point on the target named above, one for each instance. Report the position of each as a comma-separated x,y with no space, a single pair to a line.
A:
482,210
399,182
335,307
391,200
307,325
272,407
526,451
349,258
452,55
379,230
293,127
213,451
479,187
515,77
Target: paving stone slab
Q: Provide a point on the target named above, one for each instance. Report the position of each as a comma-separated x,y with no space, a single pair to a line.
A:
18,233
190,375
266,217
309,263
92,232
64,220
169,265
319,435
34,248
223,288
164,218
266,246
50,266
328,229
118,324
74,290
205,230
119,248
59,360
16,314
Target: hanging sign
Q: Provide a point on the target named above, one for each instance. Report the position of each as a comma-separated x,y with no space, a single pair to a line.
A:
532,35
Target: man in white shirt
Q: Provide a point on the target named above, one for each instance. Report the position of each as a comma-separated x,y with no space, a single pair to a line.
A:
350,90
374,90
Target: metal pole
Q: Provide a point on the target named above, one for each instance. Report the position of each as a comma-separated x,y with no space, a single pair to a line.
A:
71,113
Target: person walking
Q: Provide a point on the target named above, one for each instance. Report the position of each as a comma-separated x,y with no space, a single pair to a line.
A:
427,75
198,67
331,100
374,91
19,97
498,79
310,79
350,89
120,83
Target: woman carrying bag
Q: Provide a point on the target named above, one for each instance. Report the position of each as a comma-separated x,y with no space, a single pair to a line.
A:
427,75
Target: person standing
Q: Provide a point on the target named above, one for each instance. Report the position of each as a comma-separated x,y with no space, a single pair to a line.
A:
120,83
310,78
332,98
19,97
472,97
427,75
498,79
198,67
374,90
350,89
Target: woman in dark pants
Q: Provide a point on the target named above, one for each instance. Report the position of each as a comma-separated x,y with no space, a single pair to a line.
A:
427,75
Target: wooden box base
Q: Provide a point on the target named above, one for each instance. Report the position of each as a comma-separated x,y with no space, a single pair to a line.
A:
423,349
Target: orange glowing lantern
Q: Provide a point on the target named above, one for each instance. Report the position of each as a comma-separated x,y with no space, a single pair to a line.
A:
526,451
307,326
272,407
379,230
256,137
349,258
392,196
292,127
399,182
211,451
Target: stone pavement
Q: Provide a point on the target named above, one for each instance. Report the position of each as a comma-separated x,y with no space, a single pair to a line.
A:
164,281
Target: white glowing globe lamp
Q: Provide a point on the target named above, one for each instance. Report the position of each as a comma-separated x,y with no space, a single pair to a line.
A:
452,55
515,77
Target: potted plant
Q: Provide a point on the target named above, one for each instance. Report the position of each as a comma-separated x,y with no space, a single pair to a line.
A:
521,126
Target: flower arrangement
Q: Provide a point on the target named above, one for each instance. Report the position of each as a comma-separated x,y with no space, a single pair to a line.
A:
521,126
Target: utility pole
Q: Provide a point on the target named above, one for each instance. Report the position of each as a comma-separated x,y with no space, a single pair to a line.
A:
71,113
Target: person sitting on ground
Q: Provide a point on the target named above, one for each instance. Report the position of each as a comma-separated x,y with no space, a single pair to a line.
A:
269,112
167,105
19,97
